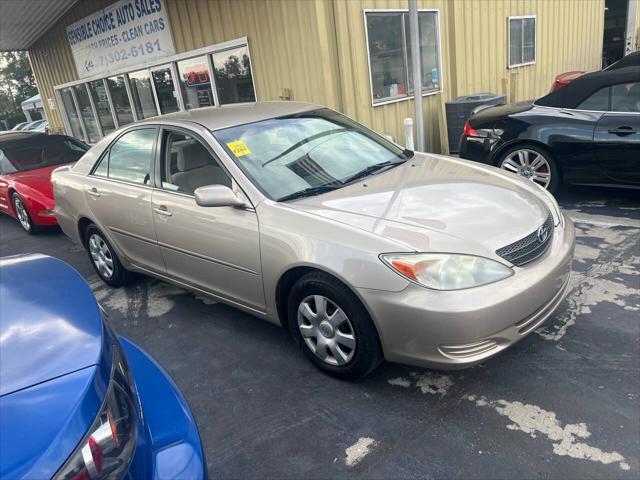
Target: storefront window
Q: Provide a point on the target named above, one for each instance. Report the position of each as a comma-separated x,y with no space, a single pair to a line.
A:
390,54
142,95
72,113
120,99
233,78
195,82
165,90
209,77
100,100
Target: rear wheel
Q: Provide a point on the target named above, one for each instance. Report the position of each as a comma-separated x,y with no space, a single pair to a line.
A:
104,259
332,327
23,216
532,163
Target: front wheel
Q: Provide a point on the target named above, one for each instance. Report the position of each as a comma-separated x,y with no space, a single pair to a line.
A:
23,215
532,163
332,327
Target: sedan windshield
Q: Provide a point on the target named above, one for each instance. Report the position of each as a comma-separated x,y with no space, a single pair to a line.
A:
308,153
39,152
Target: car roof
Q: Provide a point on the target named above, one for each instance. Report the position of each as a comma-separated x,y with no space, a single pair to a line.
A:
11,135
583,87
216,118
631,60
19,135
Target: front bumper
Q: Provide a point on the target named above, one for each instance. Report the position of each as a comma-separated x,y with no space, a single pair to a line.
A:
456,329
169,445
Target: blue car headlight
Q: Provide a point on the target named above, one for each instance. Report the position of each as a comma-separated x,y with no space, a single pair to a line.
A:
108,447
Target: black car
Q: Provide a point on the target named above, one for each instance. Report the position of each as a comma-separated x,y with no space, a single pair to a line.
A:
586,133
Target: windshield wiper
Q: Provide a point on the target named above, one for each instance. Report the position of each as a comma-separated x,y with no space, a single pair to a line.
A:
371,169
310,191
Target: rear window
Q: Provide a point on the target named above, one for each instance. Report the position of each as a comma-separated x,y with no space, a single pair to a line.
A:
31,154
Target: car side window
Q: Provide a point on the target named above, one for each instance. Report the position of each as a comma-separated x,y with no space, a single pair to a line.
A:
187,164
599,101
625,97
129,158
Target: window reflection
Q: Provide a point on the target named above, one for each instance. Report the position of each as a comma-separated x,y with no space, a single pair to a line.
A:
72,113
100,100
233,78
165,90
130,156
142,95
195,82
87,113
120,99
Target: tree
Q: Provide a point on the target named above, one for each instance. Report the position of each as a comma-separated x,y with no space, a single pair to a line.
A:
16,85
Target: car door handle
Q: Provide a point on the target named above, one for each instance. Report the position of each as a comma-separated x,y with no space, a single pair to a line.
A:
162,210
93,192
624,130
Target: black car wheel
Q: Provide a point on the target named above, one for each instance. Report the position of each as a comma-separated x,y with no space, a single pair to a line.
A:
533,163
332,327
22,215
104,259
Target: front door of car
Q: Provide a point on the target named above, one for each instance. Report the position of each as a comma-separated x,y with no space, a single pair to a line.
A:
212,248
617,135
118,192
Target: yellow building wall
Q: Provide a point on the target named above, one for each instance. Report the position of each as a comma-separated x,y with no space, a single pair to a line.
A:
317,49
288,40
569,37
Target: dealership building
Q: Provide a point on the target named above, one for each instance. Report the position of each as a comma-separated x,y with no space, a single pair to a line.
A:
101,64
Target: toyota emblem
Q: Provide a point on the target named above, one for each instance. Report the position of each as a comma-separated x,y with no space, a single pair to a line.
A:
543,233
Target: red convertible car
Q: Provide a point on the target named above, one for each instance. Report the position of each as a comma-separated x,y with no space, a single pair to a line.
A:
26,162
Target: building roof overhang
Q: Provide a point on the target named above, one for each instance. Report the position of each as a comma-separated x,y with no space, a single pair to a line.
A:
23,22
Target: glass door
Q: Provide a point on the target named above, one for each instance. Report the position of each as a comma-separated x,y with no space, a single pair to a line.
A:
98,92
165,90
142,94
73,118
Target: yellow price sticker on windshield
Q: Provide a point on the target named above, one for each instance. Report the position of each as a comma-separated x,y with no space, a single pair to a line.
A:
239,148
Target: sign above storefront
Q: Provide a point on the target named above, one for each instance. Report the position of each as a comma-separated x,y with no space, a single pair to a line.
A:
127,33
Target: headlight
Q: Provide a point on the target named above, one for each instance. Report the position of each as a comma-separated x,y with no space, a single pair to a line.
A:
107,449
446,271
552,204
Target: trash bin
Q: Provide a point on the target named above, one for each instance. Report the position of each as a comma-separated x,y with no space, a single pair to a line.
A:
458,112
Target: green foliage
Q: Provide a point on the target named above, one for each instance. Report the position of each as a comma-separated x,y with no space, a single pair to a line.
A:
16,85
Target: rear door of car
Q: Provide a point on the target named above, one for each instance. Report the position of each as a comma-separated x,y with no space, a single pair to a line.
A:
617,135
215,249
118,192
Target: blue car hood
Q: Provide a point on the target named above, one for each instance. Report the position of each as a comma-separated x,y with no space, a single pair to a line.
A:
55,359
50,323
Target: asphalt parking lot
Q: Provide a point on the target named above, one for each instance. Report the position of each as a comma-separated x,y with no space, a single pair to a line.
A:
563,403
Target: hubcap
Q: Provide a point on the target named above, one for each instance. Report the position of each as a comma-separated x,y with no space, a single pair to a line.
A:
326,330
23,216
101,255
529,164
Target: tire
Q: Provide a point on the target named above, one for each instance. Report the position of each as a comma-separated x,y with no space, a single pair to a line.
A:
332,338
22,214
104,259
520,159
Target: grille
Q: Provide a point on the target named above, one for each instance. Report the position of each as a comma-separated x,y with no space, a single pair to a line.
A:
528,248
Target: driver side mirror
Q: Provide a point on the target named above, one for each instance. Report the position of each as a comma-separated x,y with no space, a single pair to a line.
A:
217,196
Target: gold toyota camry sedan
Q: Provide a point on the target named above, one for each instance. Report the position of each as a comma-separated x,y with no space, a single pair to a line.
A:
301,216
